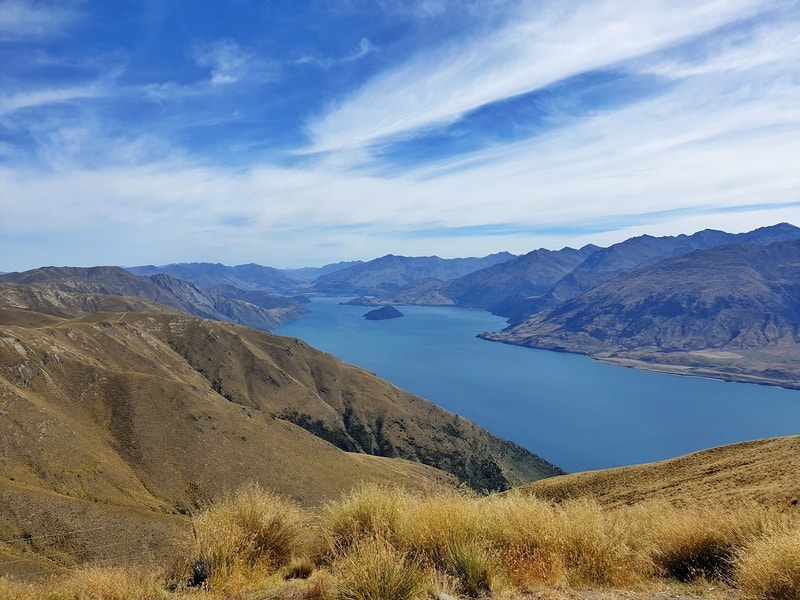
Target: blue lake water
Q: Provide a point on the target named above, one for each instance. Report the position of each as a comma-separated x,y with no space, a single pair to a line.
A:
573,411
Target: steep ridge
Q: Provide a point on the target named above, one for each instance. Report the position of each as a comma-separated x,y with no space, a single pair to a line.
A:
636,253
187,406
120,423
730,311
163,289
108,437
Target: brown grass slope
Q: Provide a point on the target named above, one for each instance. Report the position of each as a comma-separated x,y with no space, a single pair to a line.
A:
765,471
27,305
129,412
189,406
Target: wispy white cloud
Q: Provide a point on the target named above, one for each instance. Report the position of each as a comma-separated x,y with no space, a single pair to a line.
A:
21,19
774,42
540,45
715,145
229,63
363,49
42,97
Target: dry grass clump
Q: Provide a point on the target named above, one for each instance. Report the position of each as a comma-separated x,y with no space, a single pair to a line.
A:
690,543
448,531
575,543
251,531
769,567
373,569
472,564
370,511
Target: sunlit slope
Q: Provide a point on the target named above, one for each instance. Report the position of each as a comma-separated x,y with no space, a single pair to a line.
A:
766,471
165,411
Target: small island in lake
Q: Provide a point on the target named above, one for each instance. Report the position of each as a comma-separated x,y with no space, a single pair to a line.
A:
381,314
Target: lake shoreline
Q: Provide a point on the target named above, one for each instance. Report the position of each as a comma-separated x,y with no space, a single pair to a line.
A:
651,364
690,371
580,412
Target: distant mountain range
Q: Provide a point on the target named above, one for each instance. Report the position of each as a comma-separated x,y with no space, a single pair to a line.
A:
344,278
62,291
209,275
656,302
541,279
391,272
309,274
731,312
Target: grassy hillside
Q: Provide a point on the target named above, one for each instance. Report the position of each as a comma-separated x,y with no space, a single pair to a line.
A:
766,471
139,418
727,532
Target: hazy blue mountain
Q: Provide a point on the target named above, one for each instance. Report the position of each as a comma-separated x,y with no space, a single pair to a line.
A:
390,273
208,275
531,274
634,253
311,273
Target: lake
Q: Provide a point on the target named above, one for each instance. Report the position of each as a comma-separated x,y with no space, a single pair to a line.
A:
576,413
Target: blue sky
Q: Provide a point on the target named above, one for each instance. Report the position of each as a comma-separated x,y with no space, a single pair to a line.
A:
299,133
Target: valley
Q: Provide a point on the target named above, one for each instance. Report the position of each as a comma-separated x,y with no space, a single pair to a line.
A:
134,399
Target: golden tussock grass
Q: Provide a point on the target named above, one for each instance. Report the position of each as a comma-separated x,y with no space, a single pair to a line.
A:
702,541
251,531
90,583
393,544
769,567
374,569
